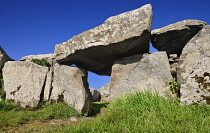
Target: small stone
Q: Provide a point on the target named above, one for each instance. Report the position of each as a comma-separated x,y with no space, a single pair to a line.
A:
104,93
73,119
96,95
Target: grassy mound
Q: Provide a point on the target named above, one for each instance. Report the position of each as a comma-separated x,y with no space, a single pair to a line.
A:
146,113
13,115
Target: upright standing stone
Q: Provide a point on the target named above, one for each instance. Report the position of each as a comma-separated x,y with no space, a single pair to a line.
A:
96,49
145,72
70,86
194,69
174,37
24,82
3,59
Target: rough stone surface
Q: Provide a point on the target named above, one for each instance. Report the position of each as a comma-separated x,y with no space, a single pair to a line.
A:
70,86
96,95
3,59
173,61
48,57
174,37
119,36
48,85
194,69
145,72
24,82
104,93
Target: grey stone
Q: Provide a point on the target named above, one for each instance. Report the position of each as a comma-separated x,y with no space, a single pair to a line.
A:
96,95
145,72
194,69
174,37
174,70
3,59
24,82
70,86
49,57
104,93
73,119
173,60
119,36
48,85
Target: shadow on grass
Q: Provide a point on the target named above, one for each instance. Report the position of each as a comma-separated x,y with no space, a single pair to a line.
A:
97,106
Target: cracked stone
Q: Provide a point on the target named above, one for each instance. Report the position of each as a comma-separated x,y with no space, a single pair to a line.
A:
24,82
193,69
144,72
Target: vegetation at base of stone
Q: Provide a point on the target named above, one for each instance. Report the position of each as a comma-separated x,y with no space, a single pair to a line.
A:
2,92
12,115
140,112
174,86
42,62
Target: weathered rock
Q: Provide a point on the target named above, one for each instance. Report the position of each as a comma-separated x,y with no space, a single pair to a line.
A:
73,119
174,70
173,58
145,72
48,85
3,59
24,82
48,57
104,93
96,95
174,37
173,61
51,59
96,49
70,86
194,69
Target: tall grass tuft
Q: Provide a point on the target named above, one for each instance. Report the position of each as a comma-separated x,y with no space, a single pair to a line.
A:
146,112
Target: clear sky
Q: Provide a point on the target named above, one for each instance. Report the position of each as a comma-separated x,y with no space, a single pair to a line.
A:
31,27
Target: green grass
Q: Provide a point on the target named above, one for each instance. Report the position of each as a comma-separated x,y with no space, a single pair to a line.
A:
13,115
97,106
2,91
42,62
145,113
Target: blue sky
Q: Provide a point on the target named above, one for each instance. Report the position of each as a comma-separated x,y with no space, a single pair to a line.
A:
30,27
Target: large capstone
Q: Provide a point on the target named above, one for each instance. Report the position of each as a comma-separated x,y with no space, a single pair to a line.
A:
119,36
144,72
174,37
70,86
24,82
194,69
